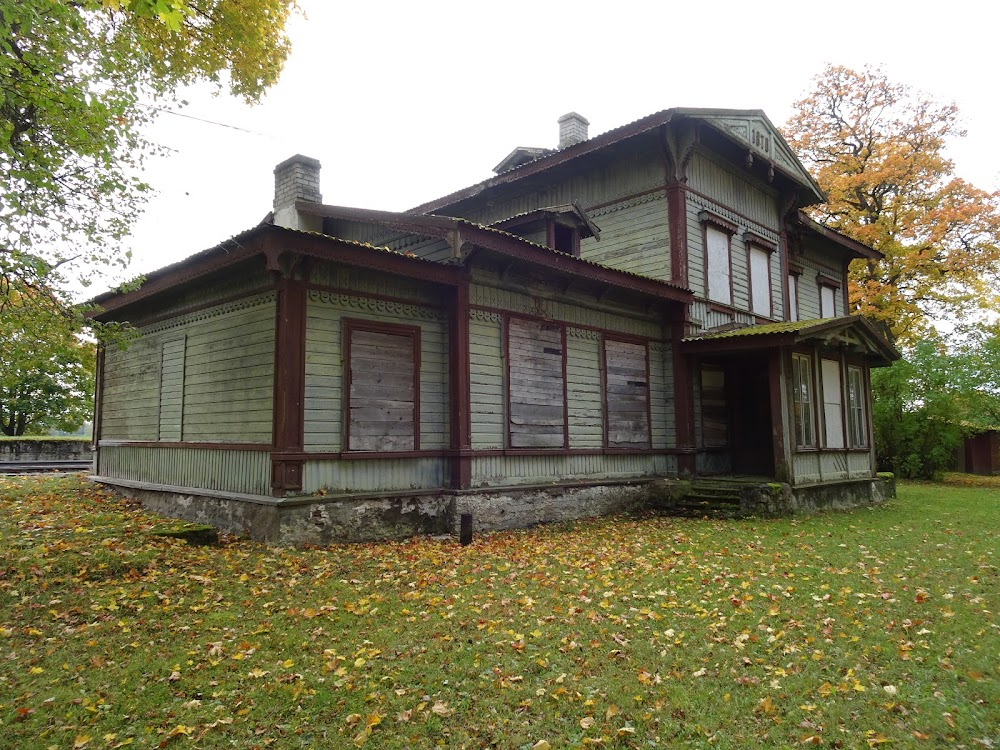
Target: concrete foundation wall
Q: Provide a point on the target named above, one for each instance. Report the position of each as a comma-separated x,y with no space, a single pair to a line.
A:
70,449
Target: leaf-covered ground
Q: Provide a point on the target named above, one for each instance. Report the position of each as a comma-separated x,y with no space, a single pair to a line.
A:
838,630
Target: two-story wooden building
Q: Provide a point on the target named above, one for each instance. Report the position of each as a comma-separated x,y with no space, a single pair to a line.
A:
565,338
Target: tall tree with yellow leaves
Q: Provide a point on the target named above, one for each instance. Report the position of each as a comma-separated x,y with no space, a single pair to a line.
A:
877,148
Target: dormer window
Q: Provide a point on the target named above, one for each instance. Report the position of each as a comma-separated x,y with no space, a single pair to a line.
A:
565,239
560,228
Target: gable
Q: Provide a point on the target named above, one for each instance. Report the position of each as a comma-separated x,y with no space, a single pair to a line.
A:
753,130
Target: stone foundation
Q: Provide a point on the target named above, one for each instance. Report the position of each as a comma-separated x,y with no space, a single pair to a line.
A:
779,499
329,520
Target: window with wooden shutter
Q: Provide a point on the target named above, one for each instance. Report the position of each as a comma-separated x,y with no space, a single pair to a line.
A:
382,364
719,265
626,367
536,384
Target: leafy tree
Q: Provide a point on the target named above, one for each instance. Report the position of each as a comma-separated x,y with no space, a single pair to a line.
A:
916,413
79,80
877,149
46,369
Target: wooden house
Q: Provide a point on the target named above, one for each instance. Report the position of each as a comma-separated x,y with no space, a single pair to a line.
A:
600,323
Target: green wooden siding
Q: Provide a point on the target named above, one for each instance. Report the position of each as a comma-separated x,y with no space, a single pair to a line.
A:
229,377
375,475
830,466
223,361
325,369
755,201
634,236
130,392
584,389
486,376
497,471
661,396
242,471
172,389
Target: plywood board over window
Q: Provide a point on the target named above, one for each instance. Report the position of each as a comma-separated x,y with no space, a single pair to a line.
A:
382,364
536,369
627,394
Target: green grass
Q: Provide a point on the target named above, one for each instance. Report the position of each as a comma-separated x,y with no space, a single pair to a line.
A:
841,630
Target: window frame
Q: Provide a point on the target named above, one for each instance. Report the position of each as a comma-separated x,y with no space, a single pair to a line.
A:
858,412
350,325
792,311
508,383
809,444
724,407
605,340
754,241
711,220
832,285
840,404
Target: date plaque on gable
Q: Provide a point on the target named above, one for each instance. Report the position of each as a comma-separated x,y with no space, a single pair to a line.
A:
760,139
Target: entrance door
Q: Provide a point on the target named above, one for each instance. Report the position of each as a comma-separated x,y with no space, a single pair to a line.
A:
750,407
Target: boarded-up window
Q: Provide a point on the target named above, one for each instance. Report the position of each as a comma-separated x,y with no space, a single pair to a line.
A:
802,401
857,431
833,404
383,365
760,280
793,296
627,394
827,302
714,414
719,265
536,384
172,390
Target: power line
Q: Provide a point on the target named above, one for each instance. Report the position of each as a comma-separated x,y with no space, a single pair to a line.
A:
206,121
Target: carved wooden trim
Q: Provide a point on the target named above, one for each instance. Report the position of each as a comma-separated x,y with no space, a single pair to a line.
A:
213,311
375,305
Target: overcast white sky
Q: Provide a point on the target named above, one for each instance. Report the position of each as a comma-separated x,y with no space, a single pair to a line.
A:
405,101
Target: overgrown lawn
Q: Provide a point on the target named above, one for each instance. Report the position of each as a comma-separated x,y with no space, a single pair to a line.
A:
838,630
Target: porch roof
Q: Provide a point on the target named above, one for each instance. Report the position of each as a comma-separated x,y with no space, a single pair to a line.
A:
854,333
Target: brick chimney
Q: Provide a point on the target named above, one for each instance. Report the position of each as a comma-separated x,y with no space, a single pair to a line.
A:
572,129
296,178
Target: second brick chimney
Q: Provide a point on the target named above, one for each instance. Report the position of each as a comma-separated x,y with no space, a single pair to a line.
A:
572,129
296,178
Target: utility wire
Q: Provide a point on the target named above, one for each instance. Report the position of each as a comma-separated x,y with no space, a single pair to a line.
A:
207,122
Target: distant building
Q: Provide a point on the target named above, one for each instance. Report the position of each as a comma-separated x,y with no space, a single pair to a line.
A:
645,305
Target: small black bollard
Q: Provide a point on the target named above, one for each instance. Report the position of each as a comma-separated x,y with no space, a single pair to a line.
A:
465,534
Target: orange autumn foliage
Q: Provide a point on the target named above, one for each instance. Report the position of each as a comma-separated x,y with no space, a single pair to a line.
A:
877,148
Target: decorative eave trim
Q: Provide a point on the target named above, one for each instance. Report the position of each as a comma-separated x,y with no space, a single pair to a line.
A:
753,238
857,249
706,216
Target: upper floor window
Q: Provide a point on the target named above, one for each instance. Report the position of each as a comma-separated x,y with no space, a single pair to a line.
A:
759,256
828,288
793,296
718,257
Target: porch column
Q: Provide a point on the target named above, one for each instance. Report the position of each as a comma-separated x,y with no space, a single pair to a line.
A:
461,393
289,387
778,441
683,405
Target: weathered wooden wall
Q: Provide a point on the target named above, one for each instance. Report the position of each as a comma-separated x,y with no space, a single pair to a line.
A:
205,376
241,471
324,395
819,466
748,205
